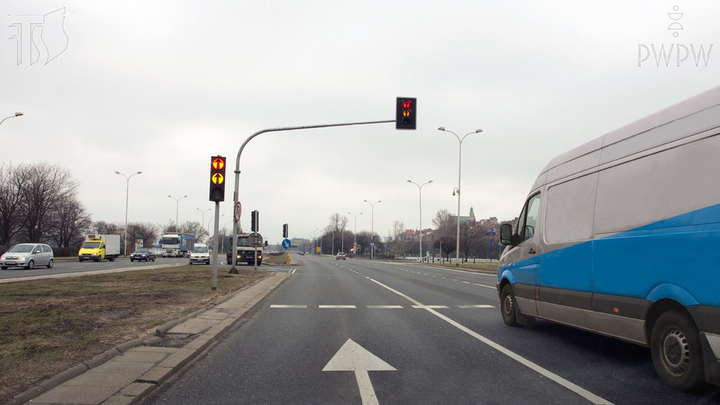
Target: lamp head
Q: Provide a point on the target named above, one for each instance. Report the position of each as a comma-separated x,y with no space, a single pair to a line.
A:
478,131
19,114
429,181
441,129
409,181
117,172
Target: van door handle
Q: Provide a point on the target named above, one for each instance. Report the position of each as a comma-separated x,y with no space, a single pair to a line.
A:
531,251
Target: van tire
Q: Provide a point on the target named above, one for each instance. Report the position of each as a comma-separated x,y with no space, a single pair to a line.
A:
677,352
508,306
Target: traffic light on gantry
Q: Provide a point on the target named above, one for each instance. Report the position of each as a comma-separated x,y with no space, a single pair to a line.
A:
217,178
405,113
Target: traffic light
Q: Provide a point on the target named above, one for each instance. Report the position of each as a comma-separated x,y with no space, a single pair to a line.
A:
217,178
285,230
255,221
405,113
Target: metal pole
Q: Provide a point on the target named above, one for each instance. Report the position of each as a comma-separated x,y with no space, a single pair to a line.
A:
127,198
457,238
421,230
177,210
215,246
237,161
355,234
372,227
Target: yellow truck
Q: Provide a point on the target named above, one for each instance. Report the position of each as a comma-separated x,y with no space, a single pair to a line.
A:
100,247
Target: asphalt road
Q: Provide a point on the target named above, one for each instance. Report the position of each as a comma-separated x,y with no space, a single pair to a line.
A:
67,267
361,332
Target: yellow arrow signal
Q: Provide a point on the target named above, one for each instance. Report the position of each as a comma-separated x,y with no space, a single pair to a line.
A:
218,178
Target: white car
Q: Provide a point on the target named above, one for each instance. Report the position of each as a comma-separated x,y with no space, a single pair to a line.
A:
200,254
340,256
27,255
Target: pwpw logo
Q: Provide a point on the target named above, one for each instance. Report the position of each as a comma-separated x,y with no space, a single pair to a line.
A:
675,54
38,34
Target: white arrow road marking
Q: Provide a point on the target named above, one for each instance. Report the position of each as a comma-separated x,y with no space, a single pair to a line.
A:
353,357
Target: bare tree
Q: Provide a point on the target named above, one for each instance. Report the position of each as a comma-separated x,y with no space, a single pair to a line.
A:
469,236
106,228
12,180
444,224
148,231
397,240
69,222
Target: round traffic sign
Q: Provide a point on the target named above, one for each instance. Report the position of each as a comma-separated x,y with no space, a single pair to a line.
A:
238,211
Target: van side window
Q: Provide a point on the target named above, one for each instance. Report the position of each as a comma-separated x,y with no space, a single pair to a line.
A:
528,222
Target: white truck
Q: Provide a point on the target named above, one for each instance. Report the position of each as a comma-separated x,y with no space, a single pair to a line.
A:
99,247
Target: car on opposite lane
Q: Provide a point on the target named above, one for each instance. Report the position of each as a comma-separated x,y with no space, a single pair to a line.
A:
27,255
142,254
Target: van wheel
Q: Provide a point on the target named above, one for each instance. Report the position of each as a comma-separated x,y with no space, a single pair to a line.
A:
508,306
30,265
676,351
50,264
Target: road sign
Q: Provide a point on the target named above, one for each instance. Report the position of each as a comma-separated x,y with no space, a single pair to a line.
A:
492,240
286,243
354,244
491,233
238,211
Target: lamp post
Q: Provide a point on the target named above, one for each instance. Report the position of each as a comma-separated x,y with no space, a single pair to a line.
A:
17,114
211,218
127,197
457,241
355,233
177,209
421,230
372,227
202,222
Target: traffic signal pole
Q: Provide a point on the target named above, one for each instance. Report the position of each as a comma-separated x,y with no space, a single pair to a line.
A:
215,246
233,270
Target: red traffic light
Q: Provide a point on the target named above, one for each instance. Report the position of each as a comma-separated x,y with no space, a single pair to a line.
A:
407,104
218,163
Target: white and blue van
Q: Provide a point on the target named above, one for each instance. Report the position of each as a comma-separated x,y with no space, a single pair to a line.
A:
621,237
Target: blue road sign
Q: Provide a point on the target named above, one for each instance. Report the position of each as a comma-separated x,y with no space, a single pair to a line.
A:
491,233
492,240
286,243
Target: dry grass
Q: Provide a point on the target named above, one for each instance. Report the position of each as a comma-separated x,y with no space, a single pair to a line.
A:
49,325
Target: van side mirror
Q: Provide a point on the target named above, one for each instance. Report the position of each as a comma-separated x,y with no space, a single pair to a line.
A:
506,235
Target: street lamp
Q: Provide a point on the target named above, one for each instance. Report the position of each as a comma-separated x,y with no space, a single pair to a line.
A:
127,197
355,234
372,227
177,209
421,230
17,114
203,217
211,218
457,241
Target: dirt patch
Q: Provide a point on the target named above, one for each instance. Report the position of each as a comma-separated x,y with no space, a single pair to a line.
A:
47,326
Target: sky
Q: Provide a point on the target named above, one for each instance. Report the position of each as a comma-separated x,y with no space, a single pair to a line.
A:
161,86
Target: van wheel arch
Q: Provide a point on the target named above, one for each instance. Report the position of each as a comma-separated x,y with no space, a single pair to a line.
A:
656,310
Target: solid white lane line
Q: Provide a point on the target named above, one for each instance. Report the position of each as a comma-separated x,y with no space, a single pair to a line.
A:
288,306
486,286
476,306
384,306
542,371
337,306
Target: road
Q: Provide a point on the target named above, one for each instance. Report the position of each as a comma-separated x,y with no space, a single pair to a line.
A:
74,266
369,332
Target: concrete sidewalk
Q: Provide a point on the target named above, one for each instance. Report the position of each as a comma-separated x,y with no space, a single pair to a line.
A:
129,372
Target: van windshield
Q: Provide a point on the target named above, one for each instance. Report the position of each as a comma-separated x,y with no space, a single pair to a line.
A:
90,245
200,249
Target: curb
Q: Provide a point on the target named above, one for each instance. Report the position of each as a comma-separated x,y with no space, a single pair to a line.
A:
184,356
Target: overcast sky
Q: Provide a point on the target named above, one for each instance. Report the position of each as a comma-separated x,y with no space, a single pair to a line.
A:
160,86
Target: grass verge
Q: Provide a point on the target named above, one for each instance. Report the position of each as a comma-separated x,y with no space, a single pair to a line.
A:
47,326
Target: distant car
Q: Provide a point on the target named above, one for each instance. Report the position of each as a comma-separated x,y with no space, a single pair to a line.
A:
200,254
142,254
27,255
340,256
